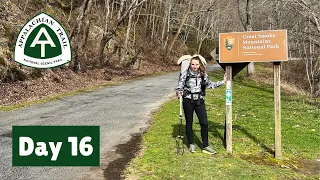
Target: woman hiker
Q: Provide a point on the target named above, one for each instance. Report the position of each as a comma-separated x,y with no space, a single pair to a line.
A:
192,85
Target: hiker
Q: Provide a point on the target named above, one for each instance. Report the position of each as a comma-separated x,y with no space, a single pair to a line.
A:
192,85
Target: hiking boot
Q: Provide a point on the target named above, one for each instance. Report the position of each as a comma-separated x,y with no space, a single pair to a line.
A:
192,148
208,150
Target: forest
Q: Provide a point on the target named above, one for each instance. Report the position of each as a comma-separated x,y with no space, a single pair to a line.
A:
128,35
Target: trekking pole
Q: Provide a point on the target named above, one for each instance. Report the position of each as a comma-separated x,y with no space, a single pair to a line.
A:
180,136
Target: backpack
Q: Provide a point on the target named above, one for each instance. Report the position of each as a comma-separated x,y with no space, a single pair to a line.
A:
203,84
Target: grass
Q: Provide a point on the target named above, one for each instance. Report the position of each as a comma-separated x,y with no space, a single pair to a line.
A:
253,139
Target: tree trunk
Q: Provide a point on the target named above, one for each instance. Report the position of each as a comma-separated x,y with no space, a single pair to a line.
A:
199,46
108,32
79,35
134,26
70,11
105,35
153,24
125,57
250,69
168,29
120,9
185,16
164,24
86,25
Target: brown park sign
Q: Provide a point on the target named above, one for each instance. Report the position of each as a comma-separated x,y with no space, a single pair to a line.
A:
253,46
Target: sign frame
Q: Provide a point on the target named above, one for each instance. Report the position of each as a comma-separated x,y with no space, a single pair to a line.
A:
250,53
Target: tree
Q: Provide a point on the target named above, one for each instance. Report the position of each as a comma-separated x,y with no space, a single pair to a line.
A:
79,35
110,31
246,23
188,11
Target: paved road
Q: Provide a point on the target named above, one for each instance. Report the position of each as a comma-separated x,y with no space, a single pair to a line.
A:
120,111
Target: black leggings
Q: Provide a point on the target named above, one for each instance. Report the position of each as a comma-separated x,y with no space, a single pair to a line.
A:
201,112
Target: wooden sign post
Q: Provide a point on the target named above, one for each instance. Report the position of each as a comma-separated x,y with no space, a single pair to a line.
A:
254,46
277,111
229,109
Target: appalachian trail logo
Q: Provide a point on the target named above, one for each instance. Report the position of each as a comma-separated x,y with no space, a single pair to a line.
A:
42,43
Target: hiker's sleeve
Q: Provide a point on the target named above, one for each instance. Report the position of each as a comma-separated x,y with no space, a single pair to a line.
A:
211,84
182,81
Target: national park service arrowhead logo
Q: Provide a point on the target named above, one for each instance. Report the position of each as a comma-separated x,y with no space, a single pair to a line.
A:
42,43
229,42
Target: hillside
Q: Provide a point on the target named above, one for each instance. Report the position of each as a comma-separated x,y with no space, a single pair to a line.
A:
116,40
19,83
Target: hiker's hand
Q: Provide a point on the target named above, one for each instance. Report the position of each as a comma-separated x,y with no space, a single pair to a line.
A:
180,93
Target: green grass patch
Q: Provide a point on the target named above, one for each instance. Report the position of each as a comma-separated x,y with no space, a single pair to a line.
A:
253,139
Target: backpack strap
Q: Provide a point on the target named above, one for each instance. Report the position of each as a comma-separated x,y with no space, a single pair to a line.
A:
203,86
